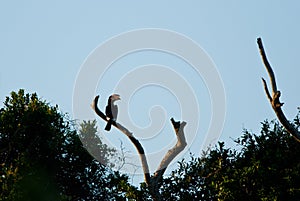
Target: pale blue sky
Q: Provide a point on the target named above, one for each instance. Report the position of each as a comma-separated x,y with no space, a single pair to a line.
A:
44,43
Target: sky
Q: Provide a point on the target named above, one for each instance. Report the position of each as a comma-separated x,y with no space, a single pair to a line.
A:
46,44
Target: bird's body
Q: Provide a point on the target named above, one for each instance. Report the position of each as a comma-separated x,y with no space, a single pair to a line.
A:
111,110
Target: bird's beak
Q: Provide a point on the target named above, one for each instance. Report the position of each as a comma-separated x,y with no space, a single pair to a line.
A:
117,97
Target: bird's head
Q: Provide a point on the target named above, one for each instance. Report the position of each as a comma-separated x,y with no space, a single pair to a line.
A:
114,97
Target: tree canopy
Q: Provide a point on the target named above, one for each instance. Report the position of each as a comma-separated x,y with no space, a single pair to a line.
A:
42,157
266,167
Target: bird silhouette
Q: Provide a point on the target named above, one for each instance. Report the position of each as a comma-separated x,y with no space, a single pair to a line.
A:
111,110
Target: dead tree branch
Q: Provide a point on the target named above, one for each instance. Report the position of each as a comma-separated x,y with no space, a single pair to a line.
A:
152,182
172,153
274,99
135,142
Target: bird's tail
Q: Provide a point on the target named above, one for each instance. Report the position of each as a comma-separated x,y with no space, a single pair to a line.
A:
108,125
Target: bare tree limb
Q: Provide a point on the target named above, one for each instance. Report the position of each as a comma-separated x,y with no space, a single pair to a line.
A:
173,152
274,99
267,90
267,65
135,142
170,155
152,182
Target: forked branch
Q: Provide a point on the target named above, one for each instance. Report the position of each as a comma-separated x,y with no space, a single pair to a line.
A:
274,99
152,182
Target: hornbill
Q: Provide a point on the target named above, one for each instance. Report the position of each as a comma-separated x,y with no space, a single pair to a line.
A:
111,110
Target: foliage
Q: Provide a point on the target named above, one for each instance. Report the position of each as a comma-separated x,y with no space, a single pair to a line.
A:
92,142
267,167
42,157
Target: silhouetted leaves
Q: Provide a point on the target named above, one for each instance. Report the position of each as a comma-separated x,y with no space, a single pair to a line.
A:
42,157
265,168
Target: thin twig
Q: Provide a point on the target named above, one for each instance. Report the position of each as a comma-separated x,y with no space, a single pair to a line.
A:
267,90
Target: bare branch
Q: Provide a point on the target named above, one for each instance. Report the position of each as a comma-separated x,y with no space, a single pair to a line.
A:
267,65
267,90
274,100
153,183
172,153
129,134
